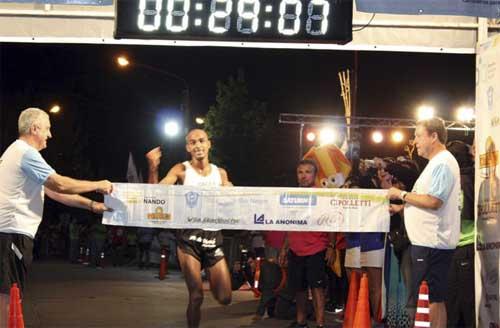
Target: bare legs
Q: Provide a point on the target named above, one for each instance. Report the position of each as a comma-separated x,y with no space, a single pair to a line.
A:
438,315
220,284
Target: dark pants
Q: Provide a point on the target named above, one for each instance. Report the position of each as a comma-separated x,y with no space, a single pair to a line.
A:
96,247
74,248
267,300
460,305
337,287
144,253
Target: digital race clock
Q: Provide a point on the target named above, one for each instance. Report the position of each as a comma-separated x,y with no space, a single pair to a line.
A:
306,21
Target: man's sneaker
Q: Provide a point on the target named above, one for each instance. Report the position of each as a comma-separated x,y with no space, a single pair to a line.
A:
295,324
333,308
330,308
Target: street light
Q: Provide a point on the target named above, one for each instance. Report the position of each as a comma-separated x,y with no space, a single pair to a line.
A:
199,120
55,109
123,61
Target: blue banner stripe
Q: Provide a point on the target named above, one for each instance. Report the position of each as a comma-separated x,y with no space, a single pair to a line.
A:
65,2
479,8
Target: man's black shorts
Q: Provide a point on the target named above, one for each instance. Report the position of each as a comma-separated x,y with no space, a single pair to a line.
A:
205,246
432,265
16,255
306,271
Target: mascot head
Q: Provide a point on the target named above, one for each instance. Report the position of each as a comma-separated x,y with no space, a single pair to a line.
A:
333,166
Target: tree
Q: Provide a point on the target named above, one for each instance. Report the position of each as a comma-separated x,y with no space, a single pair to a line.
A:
237,125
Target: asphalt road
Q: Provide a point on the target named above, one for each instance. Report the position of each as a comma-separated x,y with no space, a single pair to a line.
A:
63,295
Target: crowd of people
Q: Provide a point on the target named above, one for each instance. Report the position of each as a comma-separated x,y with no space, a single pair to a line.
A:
431,238
428,235
94,244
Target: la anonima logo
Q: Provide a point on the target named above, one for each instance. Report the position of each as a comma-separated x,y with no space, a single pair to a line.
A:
298,200
261,219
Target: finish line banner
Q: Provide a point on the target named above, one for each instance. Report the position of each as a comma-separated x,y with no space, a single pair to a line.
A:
247,208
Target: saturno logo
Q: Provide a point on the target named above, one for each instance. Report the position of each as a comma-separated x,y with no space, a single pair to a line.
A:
298,199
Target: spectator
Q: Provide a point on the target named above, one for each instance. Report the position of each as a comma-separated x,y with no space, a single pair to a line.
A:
26,178
307,254
74,240
144,239
461,293
432,217
97,238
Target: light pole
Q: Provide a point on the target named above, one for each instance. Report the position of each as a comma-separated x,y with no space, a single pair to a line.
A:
123,61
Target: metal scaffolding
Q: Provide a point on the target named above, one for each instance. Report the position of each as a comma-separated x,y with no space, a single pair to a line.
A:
364,122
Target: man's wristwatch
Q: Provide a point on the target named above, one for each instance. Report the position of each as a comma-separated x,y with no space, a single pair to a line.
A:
403,194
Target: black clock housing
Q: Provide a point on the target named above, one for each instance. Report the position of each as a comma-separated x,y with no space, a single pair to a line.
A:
281,21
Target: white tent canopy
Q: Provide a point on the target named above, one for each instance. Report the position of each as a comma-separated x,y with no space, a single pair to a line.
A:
95,24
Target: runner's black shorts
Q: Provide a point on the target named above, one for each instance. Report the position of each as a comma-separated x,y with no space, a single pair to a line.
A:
205,246
306,271
16,255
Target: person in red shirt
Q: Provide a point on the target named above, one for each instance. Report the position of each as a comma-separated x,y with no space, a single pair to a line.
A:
307,254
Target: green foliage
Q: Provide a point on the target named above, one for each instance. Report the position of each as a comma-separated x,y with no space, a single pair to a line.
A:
237,124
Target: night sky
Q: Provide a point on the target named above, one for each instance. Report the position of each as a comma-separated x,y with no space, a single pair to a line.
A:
117,109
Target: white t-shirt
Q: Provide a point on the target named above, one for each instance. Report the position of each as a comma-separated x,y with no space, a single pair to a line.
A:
436,228
23,171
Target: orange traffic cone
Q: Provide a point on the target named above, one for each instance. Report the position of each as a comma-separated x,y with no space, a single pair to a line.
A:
362,317
163,264
16,319
422,318
352,298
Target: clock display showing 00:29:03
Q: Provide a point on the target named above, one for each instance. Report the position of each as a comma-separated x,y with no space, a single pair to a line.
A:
177,16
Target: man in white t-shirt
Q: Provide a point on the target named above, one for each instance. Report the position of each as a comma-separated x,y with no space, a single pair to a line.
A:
25,179
196,248
432,216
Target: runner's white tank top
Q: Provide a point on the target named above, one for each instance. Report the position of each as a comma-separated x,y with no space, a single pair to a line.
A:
192,178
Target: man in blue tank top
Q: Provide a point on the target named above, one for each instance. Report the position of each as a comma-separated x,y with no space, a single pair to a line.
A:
197,249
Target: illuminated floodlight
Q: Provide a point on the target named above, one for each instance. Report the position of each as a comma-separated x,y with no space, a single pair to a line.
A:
425,112
171,128
397,136
199,120
377,137
55,109
327,136
311,136
466,114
